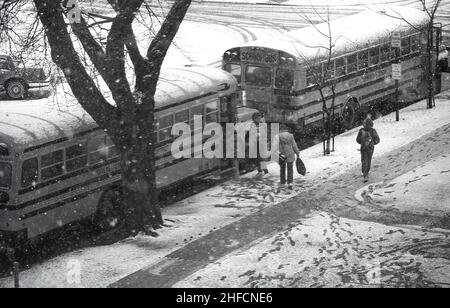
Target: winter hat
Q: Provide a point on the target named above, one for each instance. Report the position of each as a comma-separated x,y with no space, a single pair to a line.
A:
368,123
284,128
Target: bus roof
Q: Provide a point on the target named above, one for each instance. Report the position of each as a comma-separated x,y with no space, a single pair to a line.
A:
32,123
348,34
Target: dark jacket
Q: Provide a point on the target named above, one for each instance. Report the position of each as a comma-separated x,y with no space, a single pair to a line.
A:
368,137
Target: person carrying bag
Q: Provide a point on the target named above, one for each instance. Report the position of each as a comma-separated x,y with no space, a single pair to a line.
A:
287,153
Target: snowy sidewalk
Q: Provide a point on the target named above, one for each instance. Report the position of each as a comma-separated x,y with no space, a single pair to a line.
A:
201,263
398,235
203,214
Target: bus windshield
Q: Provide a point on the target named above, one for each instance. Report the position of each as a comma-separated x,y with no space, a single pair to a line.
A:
258,76
284,79
5,175
235,70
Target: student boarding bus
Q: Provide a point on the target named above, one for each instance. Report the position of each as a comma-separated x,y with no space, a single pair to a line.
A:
58,167
276,76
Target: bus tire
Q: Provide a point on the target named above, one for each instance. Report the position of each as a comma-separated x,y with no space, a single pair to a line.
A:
110,213
350,114
16,89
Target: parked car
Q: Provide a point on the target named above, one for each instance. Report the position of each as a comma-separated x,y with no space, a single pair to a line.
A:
17,82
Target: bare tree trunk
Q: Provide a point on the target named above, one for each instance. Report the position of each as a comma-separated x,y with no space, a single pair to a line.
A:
139,171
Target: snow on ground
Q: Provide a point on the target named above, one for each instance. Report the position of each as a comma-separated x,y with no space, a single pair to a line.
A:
326,251
424,190
330,3
205,212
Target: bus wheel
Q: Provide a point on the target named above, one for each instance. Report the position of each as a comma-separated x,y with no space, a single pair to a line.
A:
110,213
350,115
16,89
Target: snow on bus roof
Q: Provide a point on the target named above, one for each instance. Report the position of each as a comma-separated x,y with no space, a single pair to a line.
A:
185,83
31,123
348,33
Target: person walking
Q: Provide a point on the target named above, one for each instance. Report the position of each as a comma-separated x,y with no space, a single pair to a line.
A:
261,164
368,138
288,151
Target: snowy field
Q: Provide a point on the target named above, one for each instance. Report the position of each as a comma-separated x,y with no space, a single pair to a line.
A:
217,207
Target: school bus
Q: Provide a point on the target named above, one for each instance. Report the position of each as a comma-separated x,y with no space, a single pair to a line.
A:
57,166
277,76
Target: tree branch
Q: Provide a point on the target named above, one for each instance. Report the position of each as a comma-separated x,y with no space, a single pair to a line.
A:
67,59
162,41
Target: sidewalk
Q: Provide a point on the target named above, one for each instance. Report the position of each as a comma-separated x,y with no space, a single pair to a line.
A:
404,240
236,246
228,205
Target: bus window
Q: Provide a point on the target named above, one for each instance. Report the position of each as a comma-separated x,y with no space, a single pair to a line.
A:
340,67
374,56
98,150
352,63
5,175
328,70
212,112
52,165
30,172
182,116
284,79
165,128
313,75
385,53
197,111
363,60
258,76
406,47
415,43
76,157
226,105
235,70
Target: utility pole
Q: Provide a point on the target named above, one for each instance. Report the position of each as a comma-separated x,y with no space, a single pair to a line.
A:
397,71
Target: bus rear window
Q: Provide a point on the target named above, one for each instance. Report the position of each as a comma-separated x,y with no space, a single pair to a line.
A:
284,79
235,70
5,175
258,76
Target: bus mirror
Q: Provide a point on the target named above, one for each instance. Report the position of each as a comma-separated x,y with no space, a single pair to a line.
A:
4,150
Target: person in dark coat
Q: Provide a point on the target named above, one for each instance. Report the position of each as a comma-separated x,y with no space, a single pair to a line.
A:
368,138
288,152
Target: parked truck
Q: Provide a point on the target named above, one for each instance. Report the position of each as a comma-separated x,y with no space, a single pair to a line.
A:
17,82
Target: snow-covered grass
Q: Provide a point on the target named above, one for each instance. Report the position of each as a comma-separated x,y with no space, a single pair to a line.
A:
323,250
210,210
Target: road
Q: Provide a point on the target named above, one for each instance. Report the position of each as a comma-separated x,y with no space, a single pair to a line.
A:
247,22
218,26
